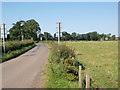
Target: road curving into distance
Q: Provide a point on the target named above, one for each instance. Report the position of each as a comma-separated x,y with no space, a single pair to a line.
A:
25,70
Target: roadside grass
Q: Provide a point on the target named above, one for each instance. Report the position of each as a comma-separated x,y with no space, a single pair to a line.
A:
15,45
100,59
16,48
54,80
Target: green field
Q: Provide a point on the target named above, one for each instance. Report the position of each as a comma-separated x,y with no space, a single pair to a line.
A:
100,59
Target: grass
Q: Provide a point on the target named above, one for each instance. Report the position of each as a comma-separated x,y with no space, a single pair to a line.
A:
58,81
15,45
15,53
55,73
100,59
15,48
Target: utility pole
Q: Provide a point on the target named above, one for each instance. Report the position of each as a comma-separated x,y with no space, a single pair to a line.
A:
58,31
3,36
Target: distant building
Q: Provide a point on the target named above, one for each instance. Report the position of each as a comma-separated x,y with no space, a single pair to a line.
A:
106,38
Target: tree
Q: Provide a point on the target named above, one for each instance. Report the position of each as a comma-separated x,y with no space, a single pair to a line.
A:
24,30
48,36
55,37
8,36
41,36
113,37
31,29
87,36
16,32
94,36
102,36
108,36
65,36
80,37
73,36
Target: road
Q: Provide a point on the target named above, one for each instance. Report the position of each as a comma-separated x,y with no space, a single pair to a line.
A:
25,71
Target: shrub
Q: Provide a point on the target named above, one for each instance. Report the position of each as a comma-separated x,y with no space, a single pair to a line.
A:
70,69
66,52
63,61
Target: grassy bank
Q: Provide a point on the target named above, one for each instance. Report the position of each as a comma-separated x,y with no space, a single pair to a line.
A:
16,48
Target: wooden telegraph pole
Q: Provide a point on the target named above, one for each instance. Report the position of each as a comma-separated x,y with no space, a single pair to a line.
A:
3,35
58,31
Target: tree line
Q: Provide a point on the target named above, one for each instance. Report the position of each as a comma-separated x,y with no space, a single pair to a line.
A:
30,29
91,36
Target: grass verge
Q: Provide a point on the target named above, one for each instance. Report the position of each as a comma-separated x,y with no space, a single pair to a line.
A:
61,72
15,53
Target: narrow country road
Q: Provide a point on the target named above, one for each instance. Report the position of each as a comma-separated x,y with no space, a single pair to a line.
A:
25,71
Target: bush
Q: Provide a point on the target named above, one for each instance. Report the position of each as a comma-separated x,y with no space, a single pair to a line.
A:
70,69
66,52
65,58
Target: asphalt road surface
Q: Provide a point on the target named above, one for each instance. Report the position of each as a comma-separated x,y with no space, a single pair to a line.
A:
25,71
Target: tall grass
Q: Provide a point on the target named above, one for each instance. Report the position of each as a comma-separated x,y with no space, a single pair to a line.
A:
16,48
14,45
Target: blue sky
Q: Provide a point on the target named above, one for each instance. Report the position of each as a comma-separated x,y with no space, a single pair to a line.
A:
80,17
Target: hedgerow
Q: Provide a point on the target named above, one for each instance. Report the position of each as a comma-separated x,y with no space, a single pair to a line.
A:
15,48
63,60
15,45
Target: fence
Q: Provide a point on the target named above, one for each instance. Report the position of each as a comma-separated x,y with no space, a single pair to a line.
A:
80,78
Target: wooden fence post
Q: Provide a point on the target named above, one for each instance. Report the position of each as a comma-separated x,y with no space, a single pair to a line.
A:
80,77
87,81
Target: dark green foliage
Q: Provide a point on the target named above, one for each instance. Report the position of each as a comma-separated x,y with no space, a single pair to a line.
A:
113,37
24,30
74,36
91,36
17,30
65,36
48,36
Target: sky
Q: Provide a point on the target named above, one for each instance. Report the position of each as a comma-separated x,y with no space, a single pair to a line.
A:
79,17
